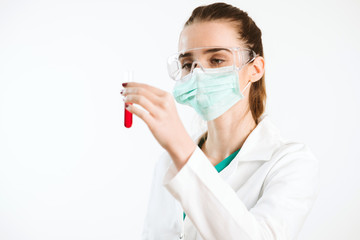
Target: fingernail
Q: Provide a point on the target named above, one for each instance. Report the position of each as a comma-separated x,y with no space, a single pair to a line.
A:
124,84
121,92
126,105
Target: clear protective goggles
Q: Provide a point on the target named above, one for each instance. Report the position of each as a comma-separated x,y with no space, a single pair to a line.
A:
208,59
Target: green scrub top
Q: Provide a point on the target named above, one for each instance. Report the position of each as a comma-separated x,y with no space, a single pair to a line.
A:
221,165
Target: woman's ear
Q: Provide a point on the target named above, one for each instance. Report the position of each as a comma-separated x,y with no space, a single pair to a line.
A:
257,69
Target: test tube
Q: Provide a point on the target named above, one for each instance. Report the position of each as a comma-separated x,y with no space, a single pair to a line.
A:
128,116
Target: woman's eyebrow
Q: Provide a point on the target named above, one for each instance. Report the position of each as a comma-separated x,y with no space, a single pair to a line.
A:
211,50
188,54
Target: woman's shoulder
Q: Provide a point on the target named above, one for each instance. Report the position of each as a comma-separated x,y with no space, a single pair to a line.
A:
291,153
295,151
286,146
268,139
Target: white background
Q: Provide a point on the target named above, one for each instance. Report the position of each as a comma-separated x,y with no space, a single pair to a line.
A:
68,167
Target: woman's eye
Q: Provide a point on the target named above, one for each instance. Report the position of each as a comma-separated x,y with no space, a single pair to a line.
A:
217,61
186,66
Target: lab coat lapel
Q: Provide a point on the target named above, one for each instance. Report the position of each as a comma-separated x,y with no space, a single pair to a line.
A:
259,146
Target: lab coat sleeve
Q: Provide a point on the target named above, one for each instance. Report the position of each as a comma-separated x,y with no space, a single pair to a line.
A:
216,211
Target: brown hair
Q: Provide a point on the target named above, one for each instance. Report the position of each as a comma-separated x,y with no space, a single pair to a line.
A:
249,34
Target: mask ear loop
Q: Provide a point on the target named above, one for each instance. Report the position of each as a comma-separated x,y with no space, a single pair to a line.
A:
242,92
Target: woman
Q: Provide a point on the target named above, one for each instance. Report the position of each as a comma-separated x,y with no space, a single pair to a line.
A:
239,179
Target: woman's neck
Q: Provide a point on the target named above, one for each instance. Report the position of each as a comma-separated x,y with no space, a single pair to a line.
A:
226,134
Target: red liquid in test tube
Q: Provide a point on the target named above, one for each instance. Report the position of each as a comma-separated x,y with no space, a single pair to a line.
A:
128,116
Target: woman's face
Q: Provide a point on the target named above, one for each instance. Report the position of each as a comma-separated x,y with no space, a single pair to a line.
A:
210,34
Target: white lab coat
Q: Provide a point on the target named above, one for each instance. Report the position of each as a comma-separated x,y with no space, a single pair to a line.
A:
266,192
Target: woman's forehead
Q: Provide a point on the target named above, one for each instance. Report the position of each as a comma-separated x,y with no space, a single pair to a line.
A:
209,34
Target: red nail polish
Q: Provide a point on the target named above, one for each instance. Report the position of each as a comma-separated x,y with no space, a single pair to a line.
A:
124,84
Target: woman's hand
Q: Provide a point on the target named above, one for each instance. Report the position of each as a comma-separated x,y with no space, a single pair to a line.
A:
162,119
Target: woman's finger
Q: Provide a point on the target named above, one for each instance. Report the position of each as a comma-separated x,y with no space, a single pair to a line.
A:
155,99
152,89
145,116
142,101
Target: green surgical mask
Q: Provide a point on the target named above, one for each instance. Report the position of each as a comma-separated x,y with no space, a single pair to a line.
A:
210,93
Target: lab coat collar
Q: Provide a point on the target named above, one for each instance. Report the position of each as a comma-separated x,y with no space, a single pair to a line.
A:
260,144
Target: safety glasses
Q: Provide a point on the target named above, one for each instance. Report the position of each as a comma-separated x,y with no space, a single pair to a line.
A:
209,59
